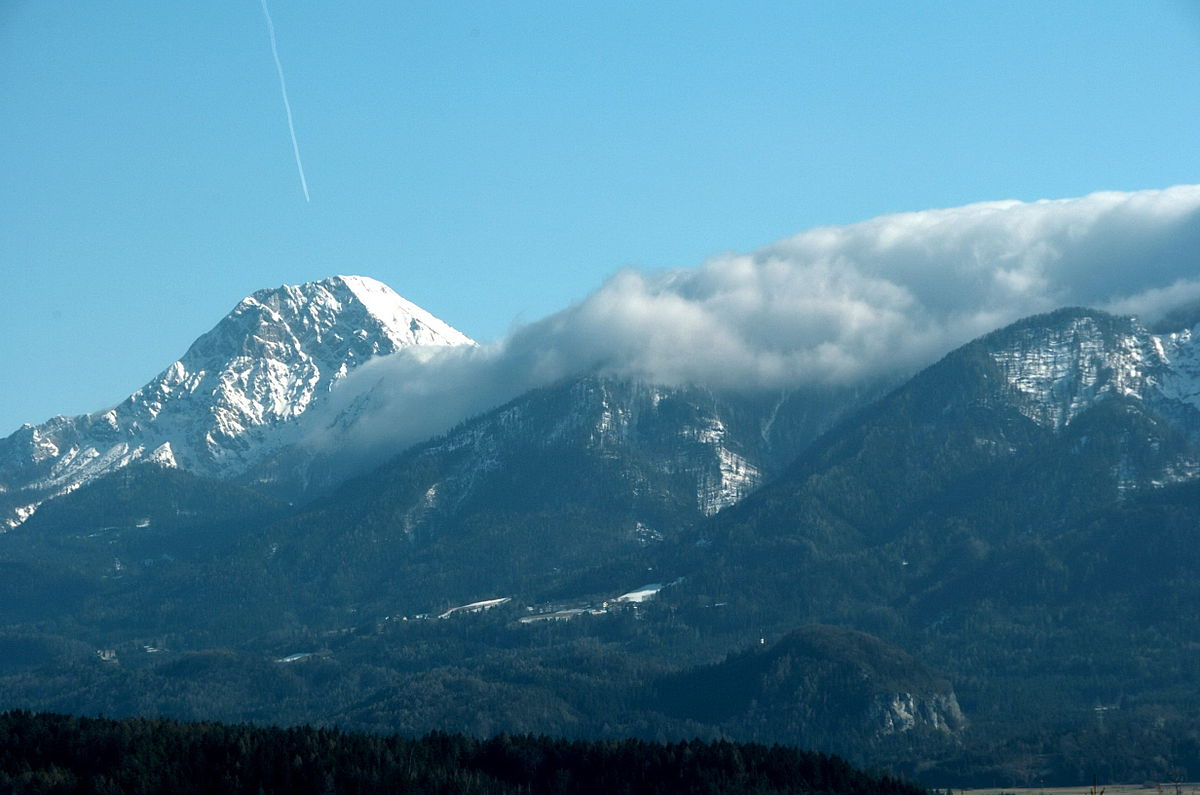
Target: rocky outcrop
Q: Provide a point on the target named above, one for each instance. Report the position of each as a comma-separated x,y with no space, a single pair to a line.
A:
820,687
905,712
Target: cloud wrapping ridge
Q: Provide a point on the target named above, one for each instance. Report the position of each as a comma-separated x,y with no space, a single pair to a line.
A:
833,305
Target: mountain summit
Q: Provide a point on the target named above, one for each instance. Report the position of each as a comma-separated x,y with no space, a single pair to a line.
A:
227,401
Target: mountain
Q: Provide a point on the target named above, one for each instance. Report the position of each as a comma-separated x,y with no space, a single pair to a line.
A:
1081,402
1018,517
231,399
563,492
571,488
1022,513
1000,445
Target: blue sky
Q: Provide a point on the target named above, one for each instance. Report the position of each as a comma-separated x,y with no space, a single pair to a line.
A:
495,162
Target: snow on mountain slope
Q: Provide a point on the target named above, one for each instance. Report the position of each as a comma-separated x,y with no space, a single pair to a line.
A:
1057,371
1056,367
229,400
1181,353
1059,365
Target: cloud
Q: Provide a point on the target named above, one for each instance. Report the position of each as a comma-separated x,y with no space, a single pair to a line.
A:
833,305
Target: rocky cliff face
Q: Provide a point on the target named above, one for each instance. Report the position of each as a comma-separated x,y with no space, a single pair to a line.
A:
897,713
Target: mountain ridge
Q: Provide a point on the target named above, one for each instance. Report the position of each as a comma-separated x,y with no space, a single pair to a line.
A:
231,397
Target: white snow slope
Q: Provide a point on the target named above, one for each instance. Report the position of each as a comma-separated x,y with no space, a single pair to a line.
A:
1056,372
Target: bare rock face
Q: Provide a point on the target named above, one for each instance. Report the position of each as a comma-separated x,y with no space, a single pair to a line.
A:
897,713
231,399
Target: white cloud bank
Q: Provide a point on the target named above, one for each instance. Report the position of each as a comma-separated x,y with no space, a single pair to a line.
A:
832,305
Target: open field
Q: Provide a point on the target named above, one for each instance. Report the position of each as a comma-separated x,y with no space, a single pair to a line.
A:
1189,788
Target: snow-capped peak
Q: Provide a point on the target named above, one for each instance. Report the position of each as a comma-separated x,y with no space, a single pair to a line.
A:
230,399
404,321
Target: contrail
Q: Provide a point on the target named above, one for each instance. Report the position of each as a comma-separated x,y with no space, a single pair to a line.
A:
287,106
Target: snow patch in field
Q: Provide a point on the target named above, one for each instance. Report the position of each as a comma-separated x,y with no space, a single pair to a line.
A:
476,607
643,594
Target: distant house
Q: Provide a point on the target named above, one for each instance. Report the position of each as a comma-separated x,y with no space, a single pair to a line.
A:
561,615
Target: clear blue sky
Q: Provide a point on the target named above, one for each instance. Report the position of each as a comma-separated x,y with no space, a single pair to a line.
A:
494,161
